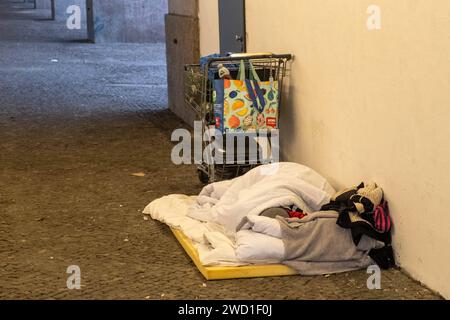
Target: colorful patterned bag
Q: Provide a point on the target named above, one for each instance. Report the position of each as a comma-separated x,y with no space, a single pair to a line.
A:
246,105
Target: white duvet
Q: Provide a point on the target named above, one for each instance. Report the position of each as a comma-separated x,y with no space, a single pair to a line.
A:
270,186
214,220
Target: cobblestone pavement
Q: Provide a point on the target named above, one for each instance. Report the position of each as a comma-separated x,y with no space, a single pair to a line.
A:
72,133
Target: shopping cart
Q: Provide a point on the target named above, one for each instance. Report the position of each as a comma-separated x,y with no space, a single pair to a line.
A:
200,96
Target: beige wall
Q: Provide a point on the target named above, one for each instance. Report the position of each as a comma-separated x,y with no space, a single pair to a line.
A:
184,7
209,27
370,105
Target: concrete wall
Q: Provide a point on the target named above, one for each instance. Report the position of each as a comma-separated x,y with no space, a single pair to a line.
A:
43,4
184,7
60,10
182,45
369,105
31,2
127,21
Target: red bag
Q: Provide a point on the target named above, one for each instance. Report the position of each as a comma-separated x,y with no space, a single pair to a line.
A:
382,217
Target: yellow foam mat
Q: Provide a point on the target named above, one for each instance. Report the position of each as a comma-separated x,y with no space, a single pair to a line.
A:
224,273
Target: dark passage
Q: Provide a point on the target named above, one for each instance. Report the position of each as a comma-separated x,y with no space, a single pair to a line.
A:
76,121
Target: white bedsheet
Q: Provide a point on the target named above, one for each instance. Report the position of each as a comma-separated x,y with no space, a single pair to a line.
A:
227,203
259,248
214,247
211,220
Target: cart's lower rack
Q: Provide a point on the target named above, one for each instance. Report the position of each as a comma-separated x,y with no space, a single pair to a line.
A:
225,273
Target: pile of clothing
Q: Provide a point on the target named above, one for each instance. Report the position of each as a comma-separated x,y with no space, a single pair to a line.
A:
364,211
283,213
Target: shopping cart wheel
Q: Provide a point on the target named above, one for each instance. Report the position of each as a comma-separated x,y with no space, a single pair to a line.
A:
203,177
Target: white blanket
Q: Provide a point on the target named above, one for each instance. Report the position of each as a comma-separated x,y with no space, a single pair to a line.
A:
213,246
212,219
283,184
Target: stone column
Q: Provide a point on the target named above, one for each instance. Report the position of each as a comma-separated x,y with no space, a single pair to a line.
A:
59,9
126,21
182,47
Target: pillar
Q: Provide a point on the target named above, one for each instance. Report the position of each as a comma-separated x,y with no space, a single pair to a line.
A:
43,4
59,9
126,21
182,47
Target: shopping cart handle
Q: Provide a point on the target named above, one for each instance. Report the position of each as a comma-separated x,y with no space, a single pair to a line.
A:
245,55
249,56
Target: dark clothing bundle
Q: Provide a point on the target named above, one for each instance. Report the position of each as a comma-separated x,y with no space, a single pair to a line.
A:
363,210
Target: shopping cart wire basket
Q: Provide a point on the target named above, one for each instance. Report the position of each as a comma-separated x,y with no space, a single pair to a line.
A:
236,111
